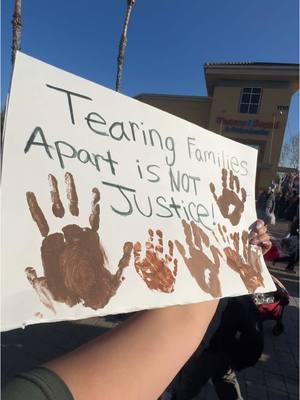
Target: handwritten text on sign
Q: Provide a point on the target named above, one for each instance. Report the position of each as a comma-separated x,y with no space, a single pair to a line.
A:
132,131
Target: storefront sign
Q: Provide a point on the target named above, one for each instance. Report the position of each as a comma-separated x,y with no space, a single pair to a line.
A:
249,126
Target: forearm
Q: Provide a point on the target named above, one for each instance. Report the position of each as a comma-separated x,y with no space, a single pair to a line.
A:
138,359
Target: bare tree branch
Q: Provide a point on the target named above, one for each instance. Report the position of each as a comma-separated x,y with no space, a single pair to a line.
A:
290,153
294,151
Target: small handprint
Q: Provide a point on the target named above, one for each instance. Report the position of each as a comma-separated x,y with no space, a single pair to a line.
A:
246,266
230,197
74,261
155,267
198,263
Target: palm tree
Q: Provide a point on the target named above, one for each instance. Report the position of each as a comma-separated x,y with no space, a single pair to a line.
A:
2,119
122,45
16,23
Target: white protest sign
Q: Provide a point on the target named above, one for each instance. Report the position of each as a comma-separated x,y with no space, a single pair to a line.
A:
110,205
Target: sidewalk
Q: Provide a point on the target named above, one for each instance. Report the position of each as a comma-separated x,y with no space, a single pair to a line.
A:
275,377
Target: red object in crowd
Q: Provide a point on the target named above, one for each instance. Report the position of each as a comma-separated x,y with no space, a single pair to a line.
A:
272,254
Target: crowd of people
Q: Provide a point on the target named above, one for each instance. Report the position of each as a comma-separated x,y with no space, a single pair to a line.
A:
280,202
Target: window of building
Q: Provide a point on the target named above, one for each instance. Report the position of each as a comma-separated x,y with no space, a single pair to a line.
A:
250,99
260,146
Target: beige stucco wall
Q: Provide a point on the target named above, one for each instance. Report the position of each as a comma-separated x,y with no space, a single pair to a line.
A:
225,105
193,109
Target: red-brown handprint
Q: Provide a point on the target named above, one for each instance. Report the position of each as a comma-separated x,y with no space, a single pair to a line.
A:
246,266
155,267
74,261
230,197
198,263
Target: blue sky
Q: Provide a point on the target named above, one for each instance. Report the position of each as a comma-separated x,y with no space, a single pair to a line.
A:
168,40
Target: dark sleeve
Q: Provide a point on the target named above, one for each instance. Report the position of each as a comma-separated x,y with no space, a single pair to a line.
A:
38,384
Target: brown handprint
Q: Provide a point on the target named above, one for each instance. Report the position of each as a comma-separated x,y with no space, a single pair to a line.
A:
246,266
199,264
154,269
229,197
73,261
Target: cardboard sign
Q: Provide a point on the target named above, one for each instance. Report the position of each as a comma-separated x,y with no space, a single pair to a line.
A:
111,206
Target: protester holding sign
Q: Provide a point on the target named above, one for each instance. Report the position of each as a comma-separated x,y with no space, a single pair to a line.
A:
113,206
134,361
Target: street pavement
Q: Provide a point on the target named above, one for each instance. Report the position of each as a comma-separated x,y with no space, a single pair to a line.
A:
274,377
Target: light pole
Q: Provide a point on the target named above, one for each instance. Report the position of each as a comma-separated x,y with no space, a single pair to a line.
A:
221,128
272,134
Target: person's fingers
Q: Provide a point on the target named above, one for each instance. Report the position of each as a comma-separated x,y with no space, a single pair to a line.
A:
259,239
258,228
262,230
266,246
259,223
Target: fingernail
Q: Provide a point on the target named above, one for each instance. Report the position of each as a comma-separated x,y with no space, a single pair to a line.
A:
259,225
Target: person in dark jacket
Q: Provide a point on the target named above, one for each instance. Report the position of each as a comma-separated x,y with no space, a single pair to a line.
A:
237,344
281,205
265,206
292,207
290,245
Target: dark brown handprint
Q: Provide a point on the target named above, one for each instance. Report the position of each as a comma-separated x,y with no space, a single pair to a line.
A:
198,263
74,261
246,266
230,197
155,267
